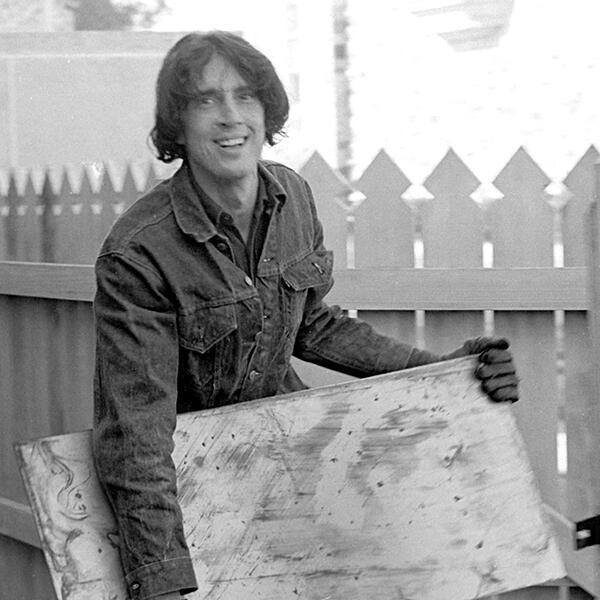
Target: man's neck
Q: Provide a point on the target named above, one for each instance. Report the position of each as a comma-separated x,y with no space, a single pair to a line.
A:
236,197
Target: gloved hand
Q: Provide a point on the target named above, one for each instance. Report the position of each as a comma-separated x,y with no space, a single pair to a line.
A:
496,369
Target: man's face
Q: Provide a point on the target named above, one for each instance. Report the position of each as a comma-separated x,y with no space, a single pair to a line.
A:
223,127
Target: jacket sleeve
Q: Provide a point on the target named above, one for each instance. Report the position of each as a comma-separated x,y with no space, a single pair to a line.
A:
331,339
135,395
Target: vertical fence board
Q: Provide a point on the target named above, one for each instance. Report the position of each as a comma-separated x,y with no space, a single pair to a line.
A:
329,189
384,229
47,375
580,182
453,236
533,346
447,330
522,225
522,221
23,572
579,404
452,221
384,237
27,225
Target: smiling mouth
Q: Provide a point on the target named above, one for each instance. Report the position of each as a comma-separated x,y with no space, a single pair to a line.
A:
231,142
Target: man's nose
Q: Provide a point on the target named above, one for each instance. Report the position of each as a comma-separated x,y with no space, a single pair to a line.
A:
230,112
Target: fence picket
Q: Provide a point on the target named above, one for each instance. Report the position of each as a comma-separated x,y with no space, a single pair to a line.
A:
580,182
384,229
453,235
453,229
329,190
522,221
384,236
522,228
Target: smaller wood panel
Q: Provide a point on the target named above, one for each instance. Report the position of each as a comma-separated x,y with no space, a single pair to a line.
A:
409,485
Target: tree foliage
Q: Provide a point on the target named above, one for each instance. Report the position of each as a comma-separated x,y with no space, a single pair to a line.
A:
108,14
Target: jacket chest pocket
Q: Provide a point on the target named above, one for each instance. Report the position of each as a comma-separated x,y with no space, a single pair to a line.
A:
313,271
202,337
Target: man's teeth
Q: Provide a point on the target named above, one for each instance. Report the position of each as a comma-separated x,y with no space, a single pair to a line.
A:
232,142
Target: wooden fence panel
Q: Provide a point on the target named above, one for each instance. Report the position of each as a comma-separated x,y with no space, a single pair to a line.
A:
67,223
522,221
452,221
522,230
384,236
453,236
580,182
579,392
329,190
23,572
532,338
384,229
47,374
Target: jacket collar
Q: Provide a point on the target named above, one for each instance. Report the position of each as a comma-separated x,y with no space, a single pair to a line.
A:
189,211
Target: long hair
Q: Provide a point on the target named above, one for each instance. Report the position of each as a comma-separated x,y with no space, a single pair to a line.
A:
176,86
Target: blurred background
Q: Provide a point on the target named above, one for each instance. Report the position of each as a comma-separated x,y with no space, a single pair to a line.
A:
412,76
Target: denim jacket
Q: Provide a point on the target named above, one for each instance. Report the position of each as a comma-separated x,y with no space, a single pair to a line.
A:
181,328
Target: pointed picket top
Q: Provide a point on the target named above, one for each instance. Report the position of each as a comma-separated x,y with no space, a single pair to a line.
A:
522,223
323,177
129,192
329,190
452,223
581,182
108,193
452,171
521,172
86,191
27,224
50,195
383,171
384,229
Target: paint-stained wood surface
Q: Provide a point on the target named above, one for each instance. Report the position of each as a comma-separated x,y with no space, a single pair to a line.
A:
410,485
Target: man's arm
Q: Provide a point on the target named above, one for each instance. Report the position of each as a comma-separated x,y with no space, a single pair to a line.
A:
135,394
331,339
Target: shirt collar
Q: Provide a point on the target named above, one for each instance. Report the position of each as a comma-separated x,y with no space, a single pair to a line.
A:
196,213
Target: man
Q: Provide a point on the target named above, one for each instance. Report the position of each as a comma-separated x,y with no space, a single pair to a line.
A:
205,289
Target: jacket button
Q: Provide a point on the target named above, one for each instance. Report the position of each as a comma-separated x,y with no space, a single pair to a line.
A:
135,586
248,280
254,374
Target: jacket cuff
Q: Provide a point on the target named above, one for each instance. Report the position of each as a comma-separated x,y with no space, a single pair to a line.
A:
172,575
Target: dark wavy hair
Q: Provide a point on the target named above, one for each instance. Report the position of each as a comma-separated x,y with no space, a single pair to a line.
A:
176,86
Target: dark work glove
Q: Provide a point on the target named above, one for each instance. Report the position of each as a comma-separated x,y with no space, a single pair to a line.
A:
496,369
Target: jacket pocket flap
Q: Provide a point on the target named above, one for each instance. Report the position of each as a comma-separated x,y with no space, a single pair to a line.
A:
205,327
312,271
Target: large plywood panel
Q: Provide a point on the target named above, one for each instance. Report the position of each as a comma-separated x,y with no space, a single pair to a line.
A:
409,485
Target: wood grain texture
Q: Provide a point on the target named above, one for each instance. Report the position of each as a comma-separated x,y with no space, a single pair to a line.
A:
410,485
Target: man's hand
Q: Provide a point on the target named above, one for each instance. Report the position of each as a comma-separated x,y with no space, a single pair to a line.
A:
496,369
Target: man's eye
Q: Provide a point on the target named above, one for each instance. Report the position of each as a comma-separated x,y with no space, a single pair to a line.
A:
247,96
205,101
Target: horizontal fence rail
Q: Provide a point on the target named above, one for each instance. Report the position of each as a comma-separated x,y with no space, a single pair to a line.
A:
526,289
